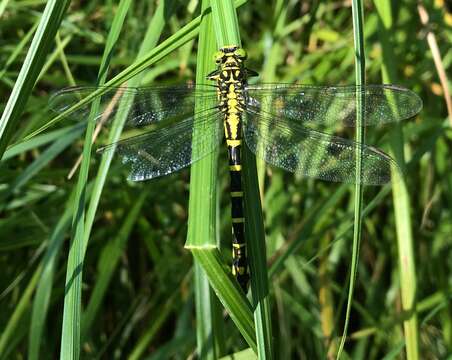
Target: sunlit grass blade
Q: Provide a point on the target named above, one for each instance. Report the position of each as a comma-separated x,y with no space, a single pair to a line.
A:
255,238
227,33
232,298
202,224
70,337
149,42
44,287
400,193
360,75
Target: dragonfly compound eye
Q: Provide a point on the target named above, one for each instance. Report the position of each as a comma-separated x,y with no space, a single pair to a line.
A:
241,53
218,57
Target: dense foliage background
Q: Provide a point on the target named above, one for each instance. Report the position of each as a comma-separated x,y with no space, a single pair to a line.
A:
137,282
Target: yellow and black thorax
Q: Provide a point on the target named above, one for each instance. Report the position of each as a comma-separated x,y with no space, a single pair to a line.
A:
231,78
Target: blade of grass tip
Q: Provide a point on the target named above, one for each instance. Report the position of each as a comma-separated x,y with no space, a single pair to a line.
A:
360,68
227,32
401,199
36,57
181,37
202,220
70,337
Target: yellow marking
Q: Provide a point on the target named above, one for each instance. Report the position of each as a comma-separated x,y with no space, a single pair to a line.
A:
232,94
233,143
235,167
238,245
233,271
225,73
238,220
241,270
236,193
233,121
232,104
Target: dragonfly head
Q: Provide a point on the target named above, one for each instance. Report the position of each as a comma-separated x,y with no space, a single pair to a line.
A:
230,56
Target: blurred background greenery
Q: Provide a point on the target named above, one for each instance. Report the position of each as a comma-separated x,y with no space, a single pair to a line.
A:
137,284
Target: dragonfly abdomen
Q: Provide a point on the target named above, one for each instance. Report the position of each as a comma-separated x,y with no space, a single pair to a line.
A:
233,134
239,260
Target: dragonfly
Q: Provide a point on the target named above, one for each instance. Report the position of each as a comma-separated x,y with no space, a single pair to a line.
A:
167,128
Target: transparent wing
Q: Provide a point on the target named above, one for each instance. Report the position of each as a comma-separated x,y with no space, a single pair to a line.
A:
166,150
292,147
334,105
144,105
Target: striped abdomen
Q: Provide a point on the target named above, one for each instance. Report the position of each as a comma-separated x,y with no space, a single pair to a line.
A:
232,107
239,261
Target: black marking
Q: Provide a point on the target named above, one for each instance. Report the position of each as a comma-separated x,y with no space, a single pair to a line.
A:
236,207
234,155
236,181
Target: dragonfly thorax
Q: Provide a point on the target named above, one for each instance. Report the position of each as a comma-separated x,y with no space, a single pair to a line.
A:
230,78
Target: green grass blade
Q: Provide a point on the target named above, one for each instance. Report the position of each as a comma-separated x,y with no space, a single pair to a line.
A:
402,206
70,337
149,42
108,261
36,57
46,157
225,23
255,238
202,221
44,288
18,49
360,68
246,354
8,333
228,292
227,32
39,140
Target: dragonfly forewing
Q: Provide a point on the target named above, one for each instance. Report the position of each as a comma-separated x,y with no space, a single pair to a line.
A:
334,105
143,105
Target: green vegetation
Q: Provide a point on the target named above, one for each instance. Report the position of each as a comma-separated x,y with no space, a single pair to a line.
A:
99,267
